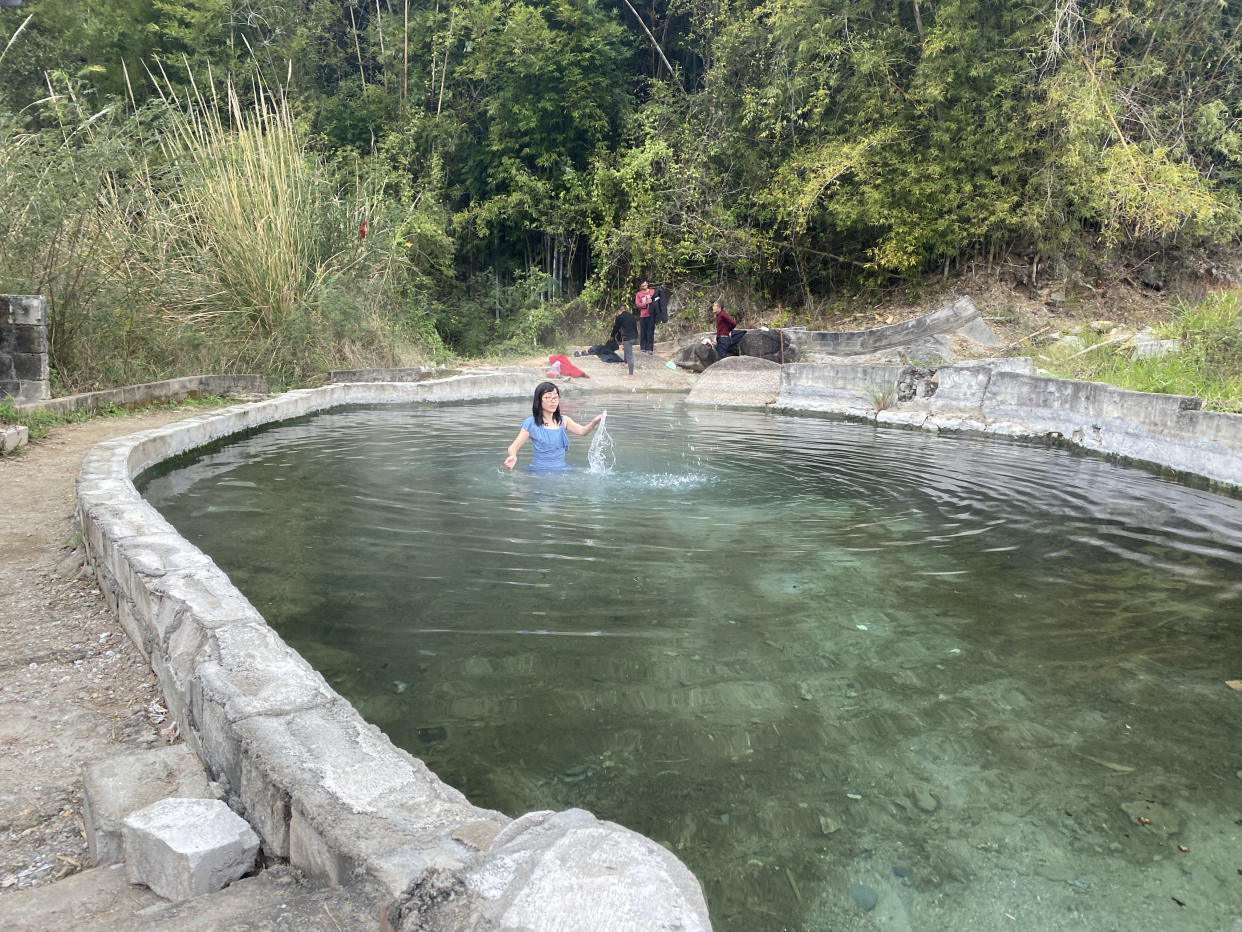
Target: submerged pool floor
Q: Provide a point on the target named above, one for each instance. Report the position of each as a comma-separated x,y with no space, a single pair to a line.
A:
979,682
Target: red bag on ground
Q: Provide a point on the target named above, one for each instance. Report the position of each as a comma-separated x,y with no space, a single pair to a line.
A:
567,367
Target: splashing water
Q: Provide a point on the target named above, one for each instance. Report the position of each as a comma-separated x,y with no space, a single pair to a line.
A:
601,458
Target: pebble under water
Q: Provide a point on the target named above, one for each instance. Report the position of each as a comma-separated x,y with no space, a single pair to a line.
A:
856,678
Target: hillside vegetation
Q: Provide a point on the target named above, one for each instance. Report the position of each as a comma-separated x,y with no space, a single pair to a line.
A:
189,181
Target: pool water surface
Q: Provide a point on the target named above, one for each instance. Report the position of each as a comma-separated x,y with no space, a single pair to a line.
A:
855,678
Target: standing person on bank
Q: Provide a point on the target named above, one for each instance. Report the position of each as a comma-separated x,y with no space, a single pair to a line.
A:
646,320
727,334
625,332
546,429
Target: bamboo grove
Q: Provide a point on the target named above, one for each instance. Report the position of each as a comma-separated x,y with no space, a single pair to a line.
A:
512,155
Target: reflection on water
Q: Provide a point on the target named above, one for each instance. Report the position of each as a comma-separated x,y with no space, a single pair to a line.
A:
855,679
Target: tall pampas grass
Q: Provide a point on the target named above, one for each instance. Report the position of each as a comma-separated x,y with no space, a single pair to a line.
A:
251,223
200,233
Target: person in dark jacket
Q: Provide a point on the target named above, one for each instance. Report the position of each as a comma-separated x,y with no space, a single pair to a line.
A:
607,352
727,334
625,332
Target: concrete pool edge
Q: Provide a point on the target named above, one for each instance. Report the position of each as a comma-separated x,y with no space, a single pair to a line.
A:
324,789
1169,431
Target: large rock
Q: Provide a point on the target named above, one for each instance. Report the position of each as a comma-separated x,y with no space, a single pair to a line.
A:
747,364
738,381
182,848
117,786
766,344
559,872
696,357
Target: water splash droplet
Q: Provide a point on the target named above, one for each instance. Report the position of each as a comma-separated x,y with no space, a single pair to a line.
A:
600,457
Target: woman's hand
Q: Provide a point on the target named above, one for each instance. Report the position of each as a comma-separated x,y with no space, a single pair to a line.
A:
595,421
510,461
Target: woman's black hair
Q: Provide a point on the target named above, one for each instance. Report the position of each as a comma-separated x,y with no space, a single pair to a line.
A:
536,409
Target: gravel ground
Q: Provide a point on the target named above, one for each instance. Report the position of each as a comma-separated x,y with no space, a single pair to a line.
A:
72,686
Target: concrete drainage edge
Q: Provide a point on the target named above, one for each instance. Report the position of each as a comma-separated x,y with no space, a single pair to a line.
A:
1168,431
322,787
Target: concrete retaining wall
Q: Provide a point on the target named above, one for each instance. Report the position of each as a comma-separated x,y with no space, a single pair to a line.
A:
1165,430
323,788
408,374
838,389
959,317
190,386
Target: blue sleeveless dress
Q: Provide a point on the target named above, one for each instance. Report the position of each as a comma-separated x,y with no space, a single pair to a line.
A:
549,444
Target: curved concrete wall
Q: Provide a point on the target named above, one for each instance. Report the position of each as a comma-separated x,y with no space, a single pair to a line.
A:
322,787
1165,430
190,386
959,317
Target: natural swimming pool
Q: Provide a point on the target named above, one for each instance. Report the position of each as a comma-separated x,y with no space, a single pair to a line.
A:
808,655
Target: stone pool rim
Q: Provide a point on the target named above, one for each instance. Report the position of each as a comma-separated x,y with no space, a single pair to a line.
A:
324,789
329,792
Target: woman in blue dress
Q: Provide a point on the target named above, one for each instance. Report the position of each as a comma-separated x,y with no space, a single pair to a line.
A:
546,429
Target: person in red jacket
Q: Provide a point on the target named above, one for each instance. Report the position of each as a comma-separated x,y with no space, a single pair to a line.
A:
727,334
566,367
646,321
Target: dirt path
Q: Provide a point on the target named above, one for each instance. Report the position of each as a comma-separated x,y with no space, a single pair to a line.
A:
73,689
72,686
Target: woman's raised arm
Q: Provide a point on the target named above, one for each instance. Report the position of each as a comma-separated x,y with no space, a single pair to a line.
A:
575,428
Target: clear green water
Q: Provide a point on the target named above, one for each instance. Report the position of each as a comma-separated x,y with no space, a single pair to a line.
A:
763,641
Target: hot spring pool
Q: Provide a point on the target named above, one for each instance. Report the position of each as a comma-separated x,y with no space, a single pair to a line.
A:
809,656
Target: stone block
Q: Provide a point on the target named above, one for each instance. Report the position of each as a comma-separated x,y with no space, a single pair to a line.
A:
1154,349
31,367
13,437
29,392
1023,365
23,339
23,310
182,848
266,675
104,492
204,594
115,787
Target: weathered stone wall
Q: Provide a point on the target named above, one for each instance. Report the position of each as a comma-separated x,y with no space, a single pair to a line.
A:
959,317
838,389
1006,397
407,374
828,346
323,788
190,386
24,373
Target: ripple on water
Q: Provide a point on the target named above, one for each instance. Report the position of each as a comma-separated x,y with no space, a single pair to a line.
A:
810,656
